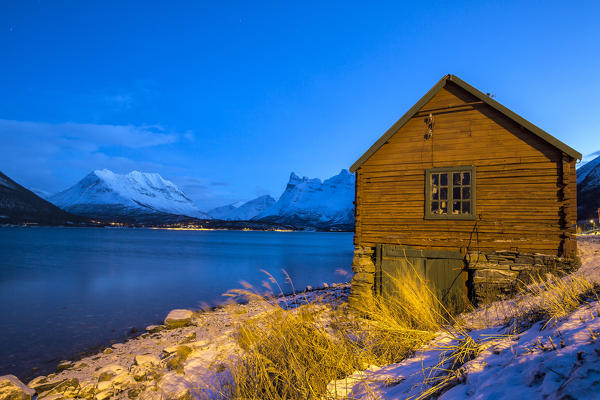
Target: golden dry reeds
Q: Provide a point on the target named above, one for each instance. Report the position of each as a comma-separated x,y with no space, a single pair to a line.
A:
296,353
554,298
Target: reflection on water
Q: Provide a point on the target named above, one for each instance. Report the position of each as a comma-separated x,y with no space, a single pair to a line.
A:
67,290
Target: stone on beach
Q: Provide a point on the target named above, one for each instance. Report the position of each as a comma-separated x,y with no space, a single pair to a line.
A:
113,379
146,359
154,328
66,388
178,318
176,356
123,380
64,365
43,384
108,372
175,387
11,388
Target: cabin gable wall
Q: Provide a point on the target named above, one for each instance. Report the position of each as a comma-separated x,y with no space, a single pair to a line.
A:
525,187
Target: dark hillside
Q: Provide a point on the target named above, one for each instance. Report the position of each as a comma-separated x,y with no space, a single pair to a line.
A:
21,206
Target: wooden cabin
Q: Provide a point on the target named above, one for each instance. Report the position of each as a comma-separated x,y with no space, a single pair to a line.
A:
468,193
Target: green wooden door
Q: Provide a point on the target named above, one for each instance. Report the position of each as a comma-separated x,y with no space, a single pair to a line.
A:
442,270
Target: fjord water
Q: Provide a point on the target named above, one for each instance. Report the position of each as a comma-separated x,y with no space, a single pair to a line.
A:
65,291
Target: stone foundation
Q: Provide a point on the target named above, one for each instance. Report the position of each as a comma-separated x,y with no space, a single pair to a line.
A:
492,276
362,284
498,275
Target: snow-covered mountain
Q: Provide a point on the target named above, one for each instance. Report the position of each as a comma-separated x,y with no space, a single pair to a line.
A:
222,212
315,204
252,208
588,190
245,211
19,205
587,168
135,196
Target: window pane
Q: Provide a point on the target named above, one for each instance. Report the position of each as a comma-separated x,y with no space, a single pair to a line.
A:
456,193
466,207
456,207
444,179
444,193
456,178
466,178
451,192
466,193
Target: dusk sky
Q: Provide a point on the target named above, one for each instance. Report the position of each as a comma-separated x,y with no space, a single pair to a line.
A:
226,99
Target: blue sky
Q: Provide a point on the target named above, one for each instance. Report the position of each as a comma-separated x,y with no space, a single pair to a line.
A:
227,98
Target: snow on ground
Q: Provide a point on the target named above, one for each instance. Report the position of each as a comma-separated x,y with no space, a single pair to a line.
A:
559,361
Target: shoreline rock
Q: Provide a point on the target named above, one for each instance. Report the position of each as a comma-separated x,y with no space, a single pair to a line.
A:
11,388
178,318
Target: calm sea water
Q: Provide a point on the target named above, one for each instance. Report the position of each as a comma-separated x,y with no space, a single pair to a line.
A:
64,291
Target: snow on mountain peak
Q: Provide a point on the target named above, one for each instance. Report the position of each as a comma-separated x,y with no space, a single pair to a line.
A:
242,212
296,180
294,177
315,202
587,168
148,191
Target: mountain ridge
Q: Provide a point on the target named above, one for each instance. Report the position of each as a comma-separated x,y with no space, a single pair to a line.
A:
133,197
19,205
315,204
245,212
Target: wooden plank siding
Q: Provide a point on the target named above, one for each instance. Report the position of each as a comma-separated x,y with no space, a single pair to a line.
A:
525,187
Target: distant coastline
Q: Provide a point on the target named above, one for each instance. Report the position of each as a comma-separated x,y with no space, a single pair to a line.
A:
208,225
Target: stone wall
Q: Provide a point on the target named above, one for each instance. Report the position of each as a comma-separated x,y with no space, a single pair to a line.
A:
363,266
492,276
497,275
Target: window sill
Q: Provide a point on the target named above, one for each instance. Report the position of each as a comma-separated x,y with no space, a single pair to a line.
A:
451,217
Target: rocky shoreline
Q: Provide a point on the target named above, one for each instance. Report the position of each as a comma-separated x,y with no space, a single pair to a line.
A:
179,359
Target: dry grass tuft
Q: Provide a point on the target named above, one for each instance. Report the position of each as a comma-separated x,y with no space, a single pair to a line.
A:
292,354
296,353
555,298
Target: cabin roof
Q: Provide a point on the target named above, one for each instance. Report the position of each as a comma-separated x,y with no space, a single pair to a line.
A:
481,96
